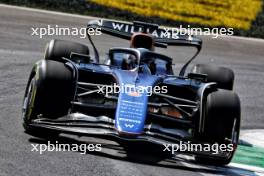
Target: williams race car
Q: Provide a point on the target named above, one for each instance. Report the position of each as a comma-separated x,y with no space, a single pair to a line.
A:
71,92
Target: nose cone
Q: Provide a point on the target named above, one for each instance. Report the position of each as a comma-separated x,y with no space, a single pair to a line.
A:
132,104
131,113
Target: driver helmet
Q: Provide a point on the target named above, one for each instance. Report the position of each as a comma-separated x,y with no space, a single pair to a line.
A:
141,40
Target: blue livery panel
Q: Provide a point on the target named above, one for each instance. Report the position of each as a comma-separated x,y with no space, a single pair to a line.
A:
132,105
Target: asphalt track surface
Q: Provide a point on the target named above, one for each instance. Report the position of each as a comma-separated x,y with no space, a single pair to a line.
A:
19,50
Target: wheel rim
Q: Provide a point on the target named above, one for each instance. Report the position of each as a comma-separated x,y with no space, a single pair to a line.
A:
234,138
28,103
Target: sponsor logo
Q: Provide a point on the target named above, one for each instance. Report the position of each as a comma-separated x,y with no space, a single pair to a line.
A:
129,125
160,33
134,94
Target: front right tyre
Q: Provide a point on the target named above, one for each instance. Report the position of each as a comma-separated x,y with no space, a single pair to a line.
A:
56,49
49,92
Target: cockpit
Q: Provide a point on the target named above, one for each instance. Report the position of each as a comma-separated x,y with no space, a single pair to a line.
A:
130,58
140,54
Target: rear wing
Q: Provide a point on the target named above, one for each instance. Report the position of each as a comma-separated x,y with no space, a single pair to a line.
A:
161,35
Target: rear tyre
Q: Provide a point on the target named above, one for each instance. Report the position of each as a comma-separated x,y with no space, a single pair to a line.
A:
224,77
56,49
49,92
221,124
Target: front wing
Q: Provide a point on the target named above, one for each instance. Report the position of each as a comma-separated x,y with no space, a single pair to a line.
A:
103,127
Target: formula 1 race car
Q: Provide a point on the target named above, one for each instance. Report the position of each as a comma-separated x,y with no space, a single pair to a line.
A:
133,95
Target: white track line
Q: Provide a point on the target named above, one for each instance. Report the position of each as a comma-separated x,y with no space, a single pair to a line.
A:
247,167
91,17
254,137
232,168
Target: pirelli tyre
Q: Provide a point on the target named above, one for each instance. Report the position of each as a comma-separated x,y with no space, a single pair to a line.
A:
221,124
56,49
224,77
49,91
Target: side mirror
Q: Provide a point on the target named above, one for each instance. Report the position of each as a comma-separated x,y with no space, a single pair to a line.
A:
80,58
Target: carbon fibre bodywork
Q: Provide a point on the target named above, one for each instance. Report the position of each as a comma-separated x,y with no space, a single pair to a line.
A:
130,115
161,117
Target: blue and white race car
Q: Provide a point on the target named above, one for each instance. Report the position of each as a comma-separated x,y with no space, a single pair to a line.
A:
133,95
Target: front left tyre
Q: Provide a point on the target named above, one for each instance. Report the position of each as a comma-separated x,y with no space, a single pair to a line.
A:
224,77
222,116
